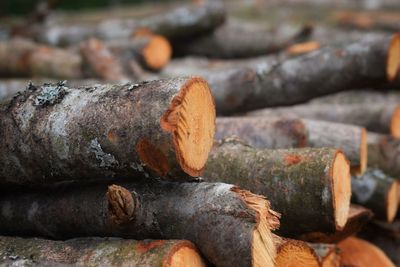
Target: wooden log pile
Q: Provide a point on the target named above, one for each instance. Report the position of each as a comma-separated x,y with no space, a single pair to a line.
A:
194,138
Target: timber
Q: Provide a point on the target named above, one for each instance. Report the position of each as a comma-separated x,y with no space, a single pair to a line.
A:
383,152
378,192
98,252
365,96
358,217
284,175
138,130
358,252
219,214
292,252
235,39
274,133
378,117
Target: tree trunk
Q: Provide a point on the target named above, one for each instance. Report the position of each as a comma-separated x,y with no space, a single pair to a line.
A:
52,134
357,219
98,252
360,253
230,226
378,117
292,179
239,39
276,133
378,192
384,153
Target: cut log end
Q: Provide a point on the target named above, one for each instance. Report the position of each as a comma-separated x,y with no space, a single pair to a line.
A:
395,123
157,52
392,201
263,247
341,189
393,58
191,119
296,253
184,254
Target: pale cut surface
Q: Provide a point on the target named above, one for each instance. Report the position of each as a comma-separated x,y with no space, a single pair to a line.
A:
395,123
393,58
341,189
185,256
296,253
392,201
157,52
363,152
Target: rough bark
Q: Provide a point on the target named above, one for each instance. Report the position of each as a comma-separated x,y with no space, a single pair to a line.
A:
19,57
240,39
97,252
379,117
52,134
384,153
273,133
357,219
278,82
366,97
230,226
378,192
178,23
284,176
358,252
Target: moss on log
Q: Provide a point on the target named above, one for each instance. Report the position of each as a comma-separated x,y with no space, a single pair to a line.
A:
212,216
292,179
55,133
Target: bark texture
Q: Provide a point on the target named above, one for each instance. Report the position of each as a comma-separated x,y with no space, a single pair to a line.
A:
94,252
378,192
212,216
384,153
378,117
240,39
52,134
365,96
283,176
274,133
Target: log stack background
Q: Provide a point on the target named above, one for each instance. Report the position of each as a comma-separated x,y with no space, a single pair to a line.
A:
203,133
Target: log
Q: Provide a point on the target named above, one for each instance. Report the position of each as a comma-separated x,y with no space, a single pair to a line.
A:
292,252
273,133
161,128
98,251
378,192
278,82
379,117
368,20
101,62
358,252
383,152
21,57
240,39
365,96
230,226
358,217
284,176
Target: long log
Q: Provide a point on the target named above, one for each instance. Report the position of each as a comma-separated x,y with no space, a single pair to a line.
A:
379,117
230,226
358,252
278,82
98,252
273,133
55,133
284,176
358,217
383,152
366,97
378,192
240,39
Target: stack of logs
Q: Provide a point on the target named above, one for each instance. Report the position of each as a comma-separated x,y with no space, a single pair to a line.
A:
279,158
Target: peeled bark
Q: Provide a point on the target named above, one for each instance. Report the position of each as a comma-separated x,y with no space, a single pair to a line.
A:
278,82
52,134
230,226
240,39
19,57
98,252
358,217
378,192
292,179
384,153
360,253
379,117
276,133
